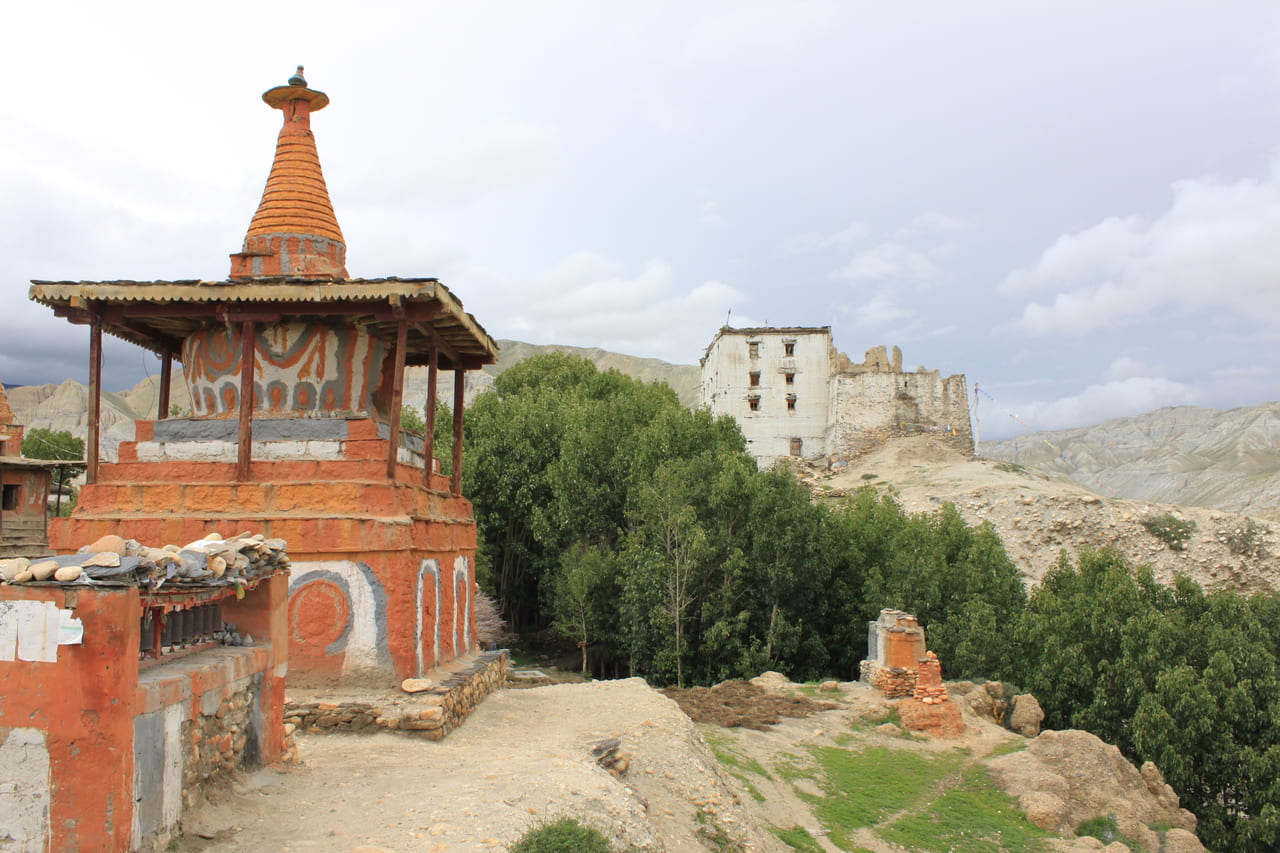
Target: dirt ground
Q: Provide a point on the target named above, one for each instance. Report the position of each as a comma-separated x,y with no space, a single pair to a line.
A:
524,758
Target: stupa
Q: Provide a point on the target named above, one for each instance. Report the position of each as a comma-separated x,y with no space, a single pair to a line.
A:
296,375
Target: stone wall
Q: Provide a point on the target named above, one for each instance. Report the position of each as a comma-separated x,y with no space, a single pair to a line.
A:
431,714
870,408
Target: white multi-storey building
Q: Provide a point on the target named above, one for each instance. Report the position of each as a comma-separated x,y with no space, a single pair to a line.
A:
794,394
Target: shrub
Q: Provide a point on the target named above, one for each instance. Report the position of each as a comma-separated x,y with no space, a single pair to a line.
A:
1105,830
1247,539
565,835
1170,530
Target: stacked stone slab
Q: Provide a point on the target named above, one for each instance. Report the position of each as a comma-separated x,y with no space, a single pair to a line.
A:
929,687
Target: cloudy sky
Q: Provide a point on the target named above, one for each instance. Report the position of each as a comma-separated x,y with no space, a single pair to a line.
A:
1076,204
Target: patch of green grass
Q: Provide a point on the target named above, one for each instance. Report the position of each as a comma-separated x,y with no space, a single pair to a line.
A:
722,747
714,835
1107,831
1011,468
565,835
862,788
869,476
798,838
973,817
1008,747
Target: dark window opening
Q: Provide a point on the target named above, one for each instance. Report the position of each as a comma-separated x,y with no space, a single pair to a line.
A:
791,378
755,379
754,403
796,445
10,498
791,402
789,348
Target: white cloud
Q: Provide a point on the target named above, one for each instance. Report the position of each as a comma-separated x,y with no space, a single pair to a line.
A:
887,262
846,238
881,311
1098,403
587,299
1127,368
1214,249
455,168
931,222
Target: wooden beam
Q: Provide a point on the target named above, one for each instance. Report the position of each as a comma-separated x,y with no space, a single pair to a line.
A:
397,396
429,447
95,401
247,362
166,375
459,381
437,342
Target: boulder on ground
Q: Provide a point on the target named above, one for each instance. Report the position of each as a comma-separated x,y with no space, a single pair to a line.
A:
1025,716
772,681
939,720
1093,778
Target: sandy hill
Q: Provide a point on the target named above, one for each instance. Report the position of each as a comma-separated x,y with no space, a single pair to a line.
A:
1181,455
1037,514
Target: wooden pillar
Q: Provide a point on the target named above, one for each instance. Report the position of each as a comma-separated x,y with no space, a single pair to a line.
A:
95,400
247,362
166,371
459,378
429,448
397,396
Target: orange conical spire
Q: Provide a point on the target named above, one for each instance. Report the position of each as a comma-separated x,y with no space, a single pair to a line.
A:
294,233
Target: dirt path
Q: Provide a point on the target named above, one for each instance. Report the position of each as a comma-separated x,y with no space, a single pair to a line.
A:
523,758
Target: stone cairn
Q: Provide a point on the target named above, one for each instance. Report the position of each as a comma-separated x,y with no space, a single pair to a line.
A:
424,709
211,561
929,687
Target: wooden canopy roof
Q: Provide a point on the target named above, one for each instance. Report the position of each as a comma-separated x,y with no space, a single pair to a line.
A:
159,315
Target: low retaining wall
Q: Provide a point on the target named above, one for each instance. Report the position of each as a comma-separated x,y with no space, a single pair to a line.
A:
894,682
431,714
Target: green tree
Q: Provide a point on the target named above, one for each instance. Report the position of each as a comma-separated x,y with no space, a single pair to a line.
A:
40,443
585,589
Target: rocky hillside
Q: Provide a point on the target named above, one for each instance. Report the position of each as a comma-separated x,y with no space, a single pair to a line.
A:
1182,455
1039,514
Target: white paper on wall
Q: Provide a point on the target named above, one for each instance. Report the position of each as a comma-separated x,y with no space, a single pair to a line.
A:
70,629
38,632
9,629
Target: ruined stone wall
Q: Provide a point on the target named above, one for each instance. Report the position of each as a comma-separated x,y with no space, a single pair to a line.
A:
870,408
431,714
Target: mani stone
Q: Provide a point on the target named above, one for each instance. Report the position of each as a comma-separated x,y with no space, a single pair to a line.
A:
43,570
416,685
111,542
10,569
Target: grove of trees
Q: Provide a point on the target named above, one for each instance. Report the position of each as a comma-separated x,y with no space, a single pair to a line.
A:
642,532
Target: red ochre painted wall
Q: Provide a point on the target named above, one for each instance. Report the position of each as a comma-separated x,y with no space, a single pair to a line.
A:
93,709
83,705
383,581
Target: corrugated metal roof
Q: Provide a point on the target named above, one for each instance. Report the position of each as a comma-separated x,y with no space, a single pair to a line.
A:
160,327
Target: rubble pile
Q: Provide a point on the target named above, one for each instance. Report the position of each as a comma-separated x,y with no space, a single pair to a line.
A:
115,561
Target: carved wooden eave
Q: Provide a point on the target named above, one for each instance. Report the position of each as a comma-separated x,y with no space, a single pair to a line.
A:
159,315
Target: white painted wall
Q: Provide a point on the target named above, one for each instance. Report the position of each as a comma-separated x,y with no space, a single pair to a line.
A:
727,390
